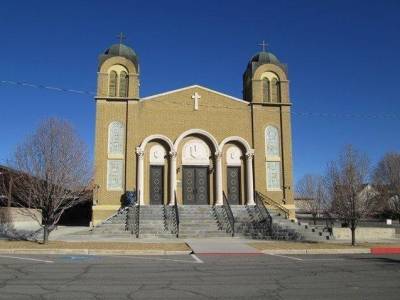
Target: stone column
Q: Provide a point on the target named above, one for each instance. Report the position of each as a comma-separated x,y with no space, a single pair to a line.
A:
172,173
249,177
218,174
140,175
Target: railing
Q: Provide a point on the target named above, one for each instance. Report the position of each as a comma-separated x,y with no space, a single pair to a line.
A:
229,214
136,219
263,210
272,202
176,216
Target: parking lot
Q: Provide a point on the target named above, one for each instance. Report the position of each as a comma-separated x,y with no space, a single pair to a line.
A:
200,277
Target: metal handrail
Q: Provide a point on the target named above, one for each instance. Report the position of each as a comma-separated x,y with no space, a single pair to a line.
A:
176,216
229,214
263,210
137,215
272,202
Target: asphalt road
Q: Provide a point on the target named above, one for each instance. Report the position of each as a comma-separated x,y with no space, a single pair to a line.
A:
204,277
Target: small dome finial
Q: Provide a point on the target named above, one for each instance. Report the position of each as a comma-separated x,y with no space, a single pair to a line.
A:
264,46
121,37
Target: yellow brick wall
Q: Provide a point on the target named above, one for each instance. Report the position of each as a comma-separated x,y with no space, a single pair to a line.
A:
171,114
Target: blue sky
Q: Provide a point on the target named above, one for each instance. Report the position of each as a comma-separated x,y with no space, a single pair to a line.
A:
343,57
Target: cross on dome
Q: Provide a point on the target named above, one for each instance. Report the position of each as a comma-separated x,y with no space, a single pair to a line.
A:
263,45
121,37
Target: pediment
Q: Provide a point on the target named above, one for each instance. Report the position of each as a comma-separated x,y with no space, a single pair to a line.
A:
186,96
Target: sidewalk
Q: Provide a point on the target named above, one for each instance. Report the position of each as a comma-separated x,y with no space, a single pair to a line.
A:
221,246
80,240
95,248
283,247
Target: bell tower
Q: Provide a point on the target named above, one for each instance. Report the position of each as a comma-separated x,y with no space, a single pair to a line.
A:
266,88
265,79
116,101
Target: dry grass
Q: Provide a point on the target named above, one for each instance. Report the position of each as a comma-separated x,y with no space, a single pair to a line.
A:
275,245
94,245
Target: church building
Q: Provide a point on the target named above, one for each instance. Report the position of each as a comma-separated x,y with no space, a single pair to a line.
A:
192,145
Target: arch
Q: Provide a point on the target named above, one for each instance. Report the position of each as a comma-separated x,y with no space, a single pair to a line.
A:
269,68
156,137
235,139
198,132
118,60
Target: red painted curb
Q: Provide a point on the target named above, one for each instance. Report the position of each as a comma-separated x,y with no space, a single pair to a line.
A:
227,254
385,250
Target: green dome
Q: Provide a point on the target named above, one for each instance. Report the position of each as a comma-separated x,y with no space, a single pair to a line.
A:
119,50
264,57
259,59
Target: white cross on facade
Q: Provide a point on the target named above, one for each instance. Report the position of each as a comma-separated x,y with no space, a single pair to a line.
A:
196,97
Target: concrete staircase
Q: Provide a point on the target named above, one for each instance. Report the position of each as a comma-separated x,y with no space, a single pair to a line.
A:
199,221
304,230
208,221
249,223
153,222
114,226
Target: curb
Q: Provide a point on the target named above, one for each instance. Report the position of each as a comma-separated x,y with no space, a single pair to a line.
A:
94,252
318,251
385,250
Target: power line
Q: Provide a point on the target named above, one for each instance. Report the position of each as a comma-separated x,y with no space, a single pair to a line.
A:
189,103
39,86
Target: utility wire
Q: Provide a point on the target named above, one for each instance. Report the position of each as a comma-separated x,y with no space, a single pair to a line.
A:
189,103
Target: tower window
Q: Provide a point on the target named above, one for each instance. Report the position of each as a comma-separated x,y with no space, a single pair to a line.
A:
123,84
275,91
266,88
112,89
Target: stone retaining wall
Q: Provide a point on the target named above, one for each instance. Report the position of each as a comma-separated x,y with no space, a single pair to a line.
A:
365,233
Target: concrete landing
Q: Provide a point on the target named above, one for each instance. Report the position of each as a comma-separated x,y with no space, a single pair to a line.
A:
221,246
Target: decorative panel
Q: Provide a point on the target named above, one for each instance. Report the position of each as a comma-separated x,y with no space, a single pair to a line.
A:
273,175
272,142
116,139
195,152
114,174
233,155
157,155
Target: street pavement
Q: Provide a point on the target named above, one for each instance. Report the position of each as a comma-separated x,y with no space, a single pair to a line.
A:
234,276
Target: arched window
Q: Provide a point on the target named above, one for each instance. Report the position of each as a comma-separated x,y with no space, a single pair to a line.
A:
116,139
272,141
123,84
273,158
265,88
275,91
112,86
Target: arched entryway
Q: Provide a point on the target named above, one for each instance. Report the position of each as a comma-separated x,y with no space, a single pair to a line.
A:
196,160
238,170
152,163
195,172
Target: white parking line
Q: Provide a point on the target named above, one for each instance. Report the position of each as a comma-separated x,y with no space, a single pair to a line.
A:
27,258
161,259
197,259
284,256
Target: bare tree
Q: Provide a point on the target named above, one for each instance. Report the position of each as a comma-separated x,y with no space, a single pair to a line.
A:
386,179
350,197
53,173
311,190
